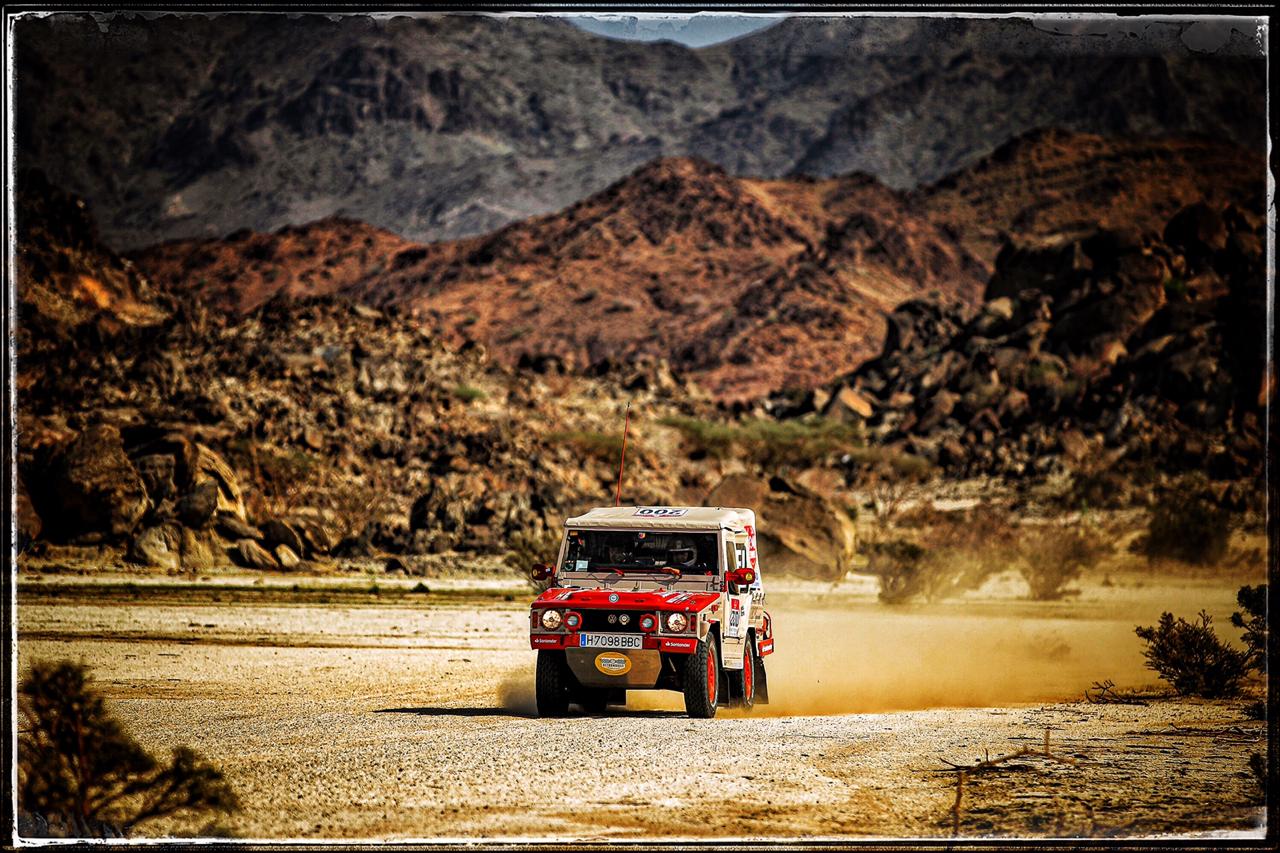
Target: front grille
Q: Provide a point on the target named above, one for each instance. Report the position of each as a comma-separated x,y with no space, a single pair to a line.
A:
598,620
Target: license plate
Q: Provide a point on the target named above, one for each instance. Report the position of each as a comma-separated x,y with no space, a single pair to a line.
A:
610,641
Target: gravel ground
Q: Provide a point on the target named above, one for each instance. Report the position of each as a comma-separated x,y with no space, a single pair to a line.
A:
413,718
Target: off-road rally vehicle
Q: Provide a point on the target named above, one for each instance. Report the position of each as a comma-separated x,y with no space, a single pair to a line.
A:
653,597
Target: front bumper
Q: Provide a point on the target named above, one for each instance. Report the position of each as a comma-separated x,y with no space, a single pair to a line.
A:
679,645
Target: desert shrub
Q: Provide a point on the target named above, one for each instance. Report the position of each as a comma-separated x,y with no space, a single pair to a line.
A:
529,546
1052,557
468,393
1186,524
603,447
80,770
1253,600
938,555
768,442
1192,659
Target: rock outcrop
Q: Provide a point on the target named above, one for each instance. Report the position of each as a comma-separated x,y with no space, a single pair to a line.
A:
799,532
1092,350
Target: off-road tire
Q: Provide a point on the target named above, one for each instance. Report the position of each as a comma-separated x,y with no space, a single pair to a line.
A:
702,681
554,684
745,681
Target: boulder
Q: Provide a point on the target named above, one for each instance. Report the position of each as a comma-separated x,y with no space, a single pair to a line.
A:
276,532
92,492
201,550
287,557
1198,230
196,508
317,537
251,555
159,546
191,464
201,465
235,528
849,406
798,531
156,471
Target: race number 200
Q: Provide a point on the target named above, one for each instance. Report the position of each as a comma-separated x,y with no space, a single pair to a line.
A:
659,512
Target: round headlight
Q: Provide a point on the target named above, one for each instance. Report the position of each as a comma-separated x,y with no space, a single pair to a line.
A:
573,620
676,622
648,622
551,619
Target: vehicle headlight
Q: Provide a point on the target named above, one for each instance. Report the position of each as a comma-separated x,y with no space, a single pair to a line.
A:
677,622
551,619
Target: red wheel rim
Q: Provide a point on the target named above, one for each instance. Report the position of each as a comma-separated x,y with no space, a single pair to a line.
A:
711,675
747,676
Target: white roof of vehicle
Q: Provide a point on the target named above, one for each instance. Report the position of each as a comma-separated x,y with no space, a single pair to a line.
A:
665,518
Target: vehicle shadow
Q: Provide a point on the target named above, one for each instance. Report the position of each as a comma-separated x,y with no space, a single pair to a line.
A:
513,712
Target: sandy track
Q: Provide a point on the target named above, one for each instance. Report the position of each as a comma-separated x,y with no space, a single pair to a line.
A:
416,721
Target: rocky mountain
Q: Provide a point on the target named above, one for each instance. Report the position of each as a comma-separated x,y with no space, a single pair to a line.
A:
745,285
311,431
1106,352
445,126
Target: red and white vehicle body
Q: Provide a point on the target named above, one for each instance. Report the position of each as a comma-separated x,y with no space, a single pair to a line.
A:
653,598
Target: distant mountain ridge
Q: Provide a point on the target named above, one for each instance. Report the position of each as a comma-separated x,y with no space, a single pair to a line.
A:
446,126
748,286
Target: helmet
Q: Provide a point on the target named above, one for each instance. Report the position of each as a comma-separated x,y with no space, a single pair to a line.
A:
682,554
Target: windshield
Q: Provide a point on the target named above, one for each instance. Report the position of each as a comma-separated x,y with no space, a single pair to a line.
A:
640,550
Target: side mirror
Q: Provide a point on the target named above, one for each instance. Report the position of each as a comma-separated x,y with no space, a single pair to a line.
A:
742,577
541,571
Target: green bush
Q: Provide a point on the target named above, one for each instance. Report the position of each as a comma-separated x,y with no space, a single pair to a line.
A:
469,393
1192,659
1185,524
1052,557
526,547
604,447
941,554
80,771
768,442
1253,599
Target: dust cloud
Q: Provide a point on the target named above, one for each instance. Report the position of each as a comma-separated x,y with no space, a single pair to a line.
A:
860,656
515,693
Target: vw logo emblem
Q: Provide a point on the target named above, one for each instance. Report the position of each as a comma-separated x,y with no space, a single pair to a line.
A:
613,598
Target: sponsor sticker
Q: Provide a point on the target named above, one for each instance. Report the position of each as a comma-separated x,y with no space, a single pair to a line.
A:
660,512
612,663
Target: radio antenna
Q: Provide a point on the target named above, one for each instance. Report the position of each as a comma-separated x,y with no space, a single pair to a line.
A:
617,501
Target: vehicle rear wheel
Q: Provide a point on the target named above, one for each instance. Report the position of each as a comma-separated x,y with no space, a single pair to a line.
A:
702,681
553,684
747,679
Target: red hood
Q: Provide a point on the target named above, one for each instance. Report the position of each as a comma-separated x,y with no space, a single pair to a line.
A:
580,599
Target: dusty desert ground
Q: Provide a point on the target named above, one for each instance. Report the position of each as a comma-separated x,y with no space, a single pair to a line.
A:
340,712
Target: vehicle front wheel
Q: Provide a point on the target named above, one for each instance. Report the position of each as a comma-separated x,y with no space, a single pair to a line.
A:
702,681
553,684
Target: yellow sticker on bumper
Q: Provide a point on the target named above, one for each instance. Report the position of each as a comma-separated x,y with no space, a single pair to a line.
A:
612,663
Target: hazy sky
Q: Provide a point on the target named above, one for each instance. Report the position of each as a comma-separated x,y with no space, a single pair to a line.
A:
696,30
